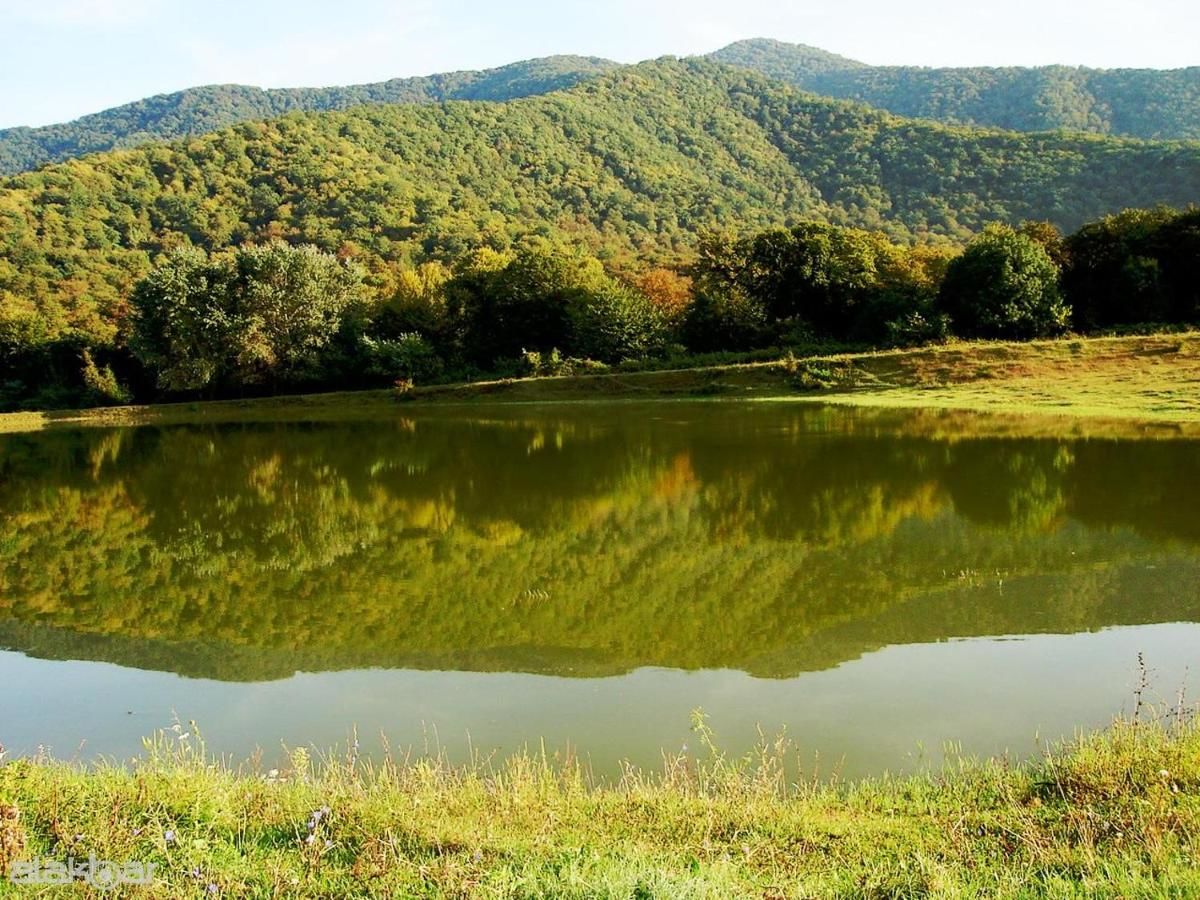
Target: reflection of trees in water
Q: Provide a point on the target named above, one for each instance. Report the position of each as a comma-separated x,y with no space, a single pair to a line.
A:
1009,484
1152,487
605,540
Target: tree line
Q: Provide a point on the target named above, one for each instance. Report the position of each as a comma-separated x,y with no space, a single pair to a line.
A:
259,319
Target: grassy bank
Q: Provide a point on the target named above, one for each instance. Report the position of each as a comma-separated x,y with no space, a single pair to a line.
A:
1153,379
1113,814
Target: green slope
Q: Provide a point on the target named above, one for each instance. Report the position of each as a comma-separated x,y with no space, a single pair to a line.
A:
1142,103
635,164
1145,103
201,110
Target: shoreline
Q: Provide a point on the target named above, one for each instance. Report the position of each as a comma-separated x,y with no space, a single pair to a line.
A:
1111,813
1151,379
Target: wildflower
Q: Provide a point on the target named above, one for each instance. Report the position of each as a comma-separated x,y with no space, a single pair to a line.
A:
212,888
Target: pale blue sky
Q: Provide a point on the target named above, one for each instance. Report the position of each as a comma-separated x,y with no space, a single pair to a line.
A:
63,58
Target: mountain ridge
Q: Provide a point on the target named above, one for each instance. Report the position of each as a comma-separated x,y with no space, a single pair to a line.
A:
1143,103
206,108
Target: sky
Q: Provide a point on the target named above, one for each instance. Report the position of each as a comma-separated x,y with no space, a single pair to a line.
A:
65,58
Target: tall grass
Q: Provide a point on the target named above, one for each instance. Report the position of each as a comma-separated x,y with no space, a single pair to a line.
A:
1109,814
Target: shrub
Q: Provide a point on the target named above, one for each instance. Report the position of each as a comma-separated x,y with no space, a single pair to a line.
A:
101,387
533,364
724,320
915,328
407,357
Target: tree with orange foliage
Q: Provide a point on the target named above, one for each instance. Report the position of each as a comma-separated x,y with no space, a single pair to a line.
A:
668,291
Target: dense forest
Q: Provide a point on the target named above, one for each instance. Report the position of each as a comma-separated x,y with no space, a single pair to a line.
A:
1130,102
1145,103
423,241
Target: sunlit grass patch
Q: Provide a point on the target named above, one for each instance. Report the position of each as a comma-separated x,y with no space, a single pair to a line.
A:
1119,379
1112,814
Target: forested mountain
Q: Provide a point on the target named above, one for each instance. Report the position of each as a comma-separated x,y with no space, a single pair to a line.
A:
632,165
1146,103
1142,103
205,109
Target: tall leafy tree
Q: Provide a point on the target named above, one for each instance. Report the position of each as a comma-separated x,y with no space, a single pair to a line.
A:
615,322
1138,266
1005,285
289,302
816,273
259,313
521,305
185,324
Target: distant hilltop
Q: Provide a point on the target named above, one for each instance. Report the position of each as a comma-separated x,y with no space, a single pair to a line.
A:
1143,103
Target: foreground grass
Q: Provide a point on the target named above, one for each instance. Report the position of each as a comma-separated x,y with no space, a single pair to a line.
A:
1113,814
1153,379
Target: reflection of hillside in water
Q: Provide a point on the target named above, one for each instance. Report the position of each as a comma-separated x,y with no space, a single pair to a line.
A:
578,542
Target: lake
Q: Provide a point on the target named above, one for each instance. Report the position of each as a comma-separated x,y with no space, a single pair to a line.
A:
480,579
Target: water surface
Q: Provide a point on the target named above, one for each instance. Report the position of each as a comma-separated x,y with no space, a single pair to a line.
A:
877,583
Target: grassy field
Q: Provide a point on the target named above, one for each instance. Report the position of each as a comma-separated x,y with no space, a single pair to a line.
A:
1111,815
1150,379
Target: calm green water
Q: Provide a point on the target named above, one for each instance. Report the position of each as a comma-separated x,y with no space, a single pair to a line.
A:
878,584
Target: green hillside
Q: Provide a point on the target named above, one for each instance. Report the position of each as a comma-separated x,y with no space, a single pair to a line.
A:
1130,102
1145,103
209,108
633,165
